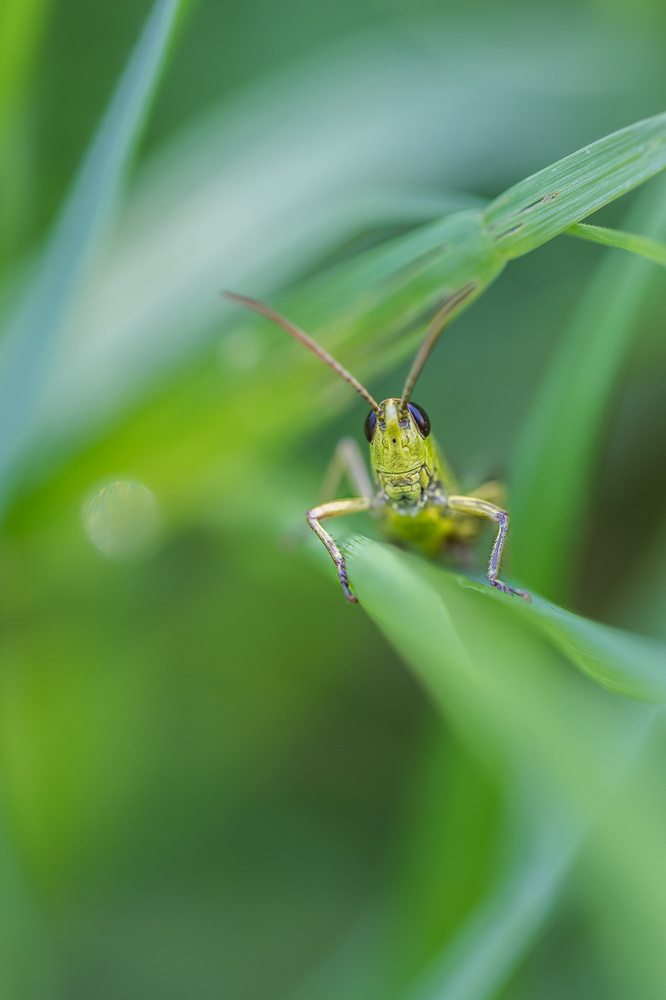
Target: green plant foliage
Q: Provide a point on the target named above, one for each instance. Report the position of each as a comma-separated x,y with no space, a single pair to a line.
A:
490,677
561,440
550,201
30,338
217,779
643,245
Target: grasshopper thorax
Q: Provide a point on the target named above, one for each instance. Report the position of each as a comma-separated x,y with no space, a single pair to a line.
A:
401,451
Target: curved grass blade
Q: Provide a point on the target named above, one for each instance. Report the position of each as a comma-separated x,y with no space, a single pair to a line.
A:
549,202
499,934
557,458
31,337
379,303
195,250
620,661
506,692
391,292
460,655
372,310
369,312
490,945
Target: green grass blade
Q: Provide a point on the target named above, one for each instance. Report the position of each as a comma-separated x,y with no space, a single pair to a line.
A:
369,312
653,250
373,309
558,456
22,25
32,335
508,921
502,689
620,661
394,289
549,202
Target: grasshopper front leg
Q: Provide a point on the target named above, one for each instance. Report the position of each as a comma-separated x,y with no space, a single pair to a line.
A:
334,509
483,508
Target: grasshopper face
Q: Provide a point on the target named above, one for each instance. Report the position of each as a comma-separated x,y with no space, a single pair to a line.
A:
401,452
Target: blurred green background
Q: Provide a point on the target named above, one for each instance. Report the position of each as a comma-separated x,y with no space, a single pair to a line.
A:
218,780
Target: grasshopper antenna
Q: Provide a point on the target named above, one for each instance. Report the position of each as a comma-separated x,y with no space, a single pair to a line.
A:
451,303
303,338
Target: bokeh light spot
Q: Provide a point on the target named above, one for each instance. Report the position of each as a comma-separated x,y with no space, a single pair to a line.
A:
122,520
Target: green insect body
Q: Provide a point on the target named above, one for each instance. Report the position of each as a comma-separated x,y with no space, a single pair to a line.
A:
412,490
408,472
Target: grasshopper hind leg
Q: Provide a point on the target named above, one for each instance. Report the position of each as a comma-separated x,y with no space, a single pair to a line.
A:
346,462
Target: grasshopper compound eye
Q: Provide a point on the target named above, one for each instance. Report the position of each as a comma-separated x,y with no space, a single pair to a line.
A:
370,425
421,419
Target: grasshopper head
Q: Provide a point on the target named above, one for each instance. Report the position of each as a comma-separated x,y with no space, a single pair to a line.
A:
403,456
400,451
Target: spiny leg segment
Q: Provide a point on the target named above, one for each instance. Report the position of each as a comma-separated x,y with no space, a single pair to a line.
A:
346,462
335,508
474,505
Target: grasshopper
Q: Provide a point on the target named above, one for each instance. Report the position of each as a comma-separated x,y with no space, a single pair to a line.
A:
412,490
